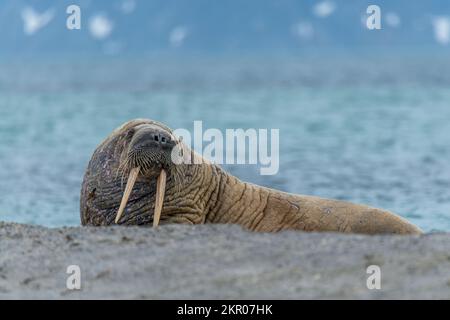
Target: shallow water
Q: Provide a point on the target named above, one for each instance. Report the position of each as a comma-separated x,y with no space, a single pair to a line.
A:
383,141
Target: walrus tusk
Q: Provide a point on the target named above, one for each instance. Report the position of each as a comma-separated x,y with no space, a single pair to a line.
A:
160,191
130,184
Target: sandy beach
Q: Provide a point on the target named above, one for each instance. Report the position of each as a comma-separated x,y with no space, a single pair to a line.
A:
218,262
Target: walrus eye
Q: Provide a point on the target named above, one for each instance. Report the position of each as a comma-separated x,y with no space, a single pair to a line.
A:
160,191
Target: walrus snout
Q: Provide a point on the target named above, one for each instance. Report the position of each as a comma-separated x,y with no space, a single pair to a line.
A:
150,149
153,139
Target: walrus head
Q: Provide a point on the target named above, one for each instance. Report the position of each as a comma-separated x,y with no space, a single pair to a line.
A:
148,153
141,151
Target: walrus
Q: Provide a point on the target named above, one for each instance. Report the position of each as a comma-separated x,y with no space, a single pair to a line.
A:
132,179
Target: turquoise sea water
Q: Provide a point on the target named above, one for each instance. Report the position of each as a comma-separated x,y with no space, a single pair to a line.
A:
379,136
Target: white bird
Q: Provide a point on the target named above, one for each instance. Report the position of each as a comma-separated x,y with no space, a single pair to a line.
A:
441,27
324,9
100,26
33,20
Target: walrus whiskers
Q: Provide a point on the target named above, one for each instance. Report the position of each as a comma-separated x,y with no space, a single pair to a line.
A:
130,184
160,191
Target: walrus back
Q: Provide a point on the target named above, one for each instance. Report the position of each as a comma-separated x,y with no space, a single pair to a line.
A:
311,213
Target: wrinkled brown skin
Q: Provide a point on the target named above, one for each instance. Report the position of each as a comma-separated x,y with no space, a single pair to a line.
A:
205,193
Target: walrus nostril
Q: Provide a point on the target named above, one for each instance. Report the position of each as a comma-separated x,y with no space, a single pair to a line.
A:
161,138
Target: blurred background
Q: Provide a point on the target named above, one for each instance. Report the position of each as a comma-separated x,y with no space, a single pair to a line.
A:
364,115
